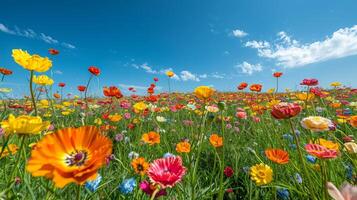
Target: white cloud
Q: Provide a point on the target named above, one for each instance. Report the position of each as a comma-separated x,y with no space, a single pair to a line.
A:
291,53
186,76
67,45
48,39
203,76
148,69
218,76
29,33
239,33
248,68
59,72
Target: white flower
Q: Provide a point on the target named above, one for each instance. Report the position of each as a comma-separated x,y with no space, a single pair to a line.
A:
160,119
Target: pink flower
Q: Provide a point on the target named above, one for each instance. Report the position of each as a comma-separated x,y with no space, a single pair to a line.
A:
166,172
127,115
241,115
320,151
256,119
148,188
346,192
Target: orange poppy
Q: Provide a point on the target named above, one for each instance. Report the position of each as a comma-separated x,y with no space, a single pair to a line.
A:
71,155
5,71
277,74
151,138
56,95
277,155
256,87
112,91
140,165
216,140
183,147
353,121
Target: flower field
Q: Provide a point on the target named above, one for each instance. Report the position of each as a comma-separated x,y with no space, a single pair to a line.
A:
244,144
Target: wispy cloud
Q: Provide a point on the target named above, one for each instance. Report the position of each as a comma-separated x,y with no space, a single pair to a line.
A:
187,75
239,33
31,34
291,53
247,68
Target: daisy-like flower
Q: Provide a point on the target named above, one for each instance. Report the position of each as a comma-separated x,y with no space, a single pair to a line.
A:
140,165
261,174
320,151
277,155
31,62
71,155
317,123
151,138
166,172
24,125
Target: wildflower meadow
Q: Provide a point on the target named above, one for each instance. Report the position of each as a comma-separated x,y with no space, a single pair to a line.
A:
203,144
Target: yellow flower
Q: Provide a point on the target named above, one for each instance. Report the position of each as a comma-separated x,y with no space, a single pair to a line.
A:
11,149
42,80
204,92
303,96
98,121
44,103
335,84
316,123
170,74
271,90
66,103
351,147
115,118
328,144
140,106
24,124
31,62
272,103
261,174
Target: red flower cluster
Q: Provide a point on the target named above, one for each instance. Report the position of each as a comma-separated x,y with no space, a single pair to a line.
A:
310,82
61,84
94,70
277,74
5,71
112,91
82,88
53,51
256,87
285,110
228,171
242,86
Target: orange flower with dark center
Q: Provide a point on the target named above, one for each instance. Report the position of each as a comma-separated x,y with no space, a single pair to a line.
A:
151,138
277,155
112,91
94,70
71,155
277,74
216,140
353,121
5,71
256,88
140,165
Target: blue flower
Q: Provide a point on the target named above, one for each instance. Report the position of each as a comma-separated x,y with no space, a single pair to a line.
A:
288,137
293,146
127,186
283,193
93,185
349,171
311,159
298,178
168,155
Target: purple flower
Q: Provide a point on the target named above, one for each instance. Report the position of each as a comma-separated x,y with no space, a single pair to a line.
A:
149,189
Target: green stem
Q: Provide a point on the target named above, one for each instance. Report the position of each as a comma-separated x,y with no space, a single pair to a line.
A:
32,93
154,193
79,192
18,158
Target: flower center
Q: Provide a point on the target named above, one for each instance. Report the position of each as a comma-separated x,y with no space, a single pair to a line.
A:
76,158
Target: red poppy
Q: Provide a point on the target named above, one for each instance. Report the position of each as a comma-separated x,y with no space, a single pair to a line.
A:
94,70
152,98
277,74
285,110
310,82
61,84
256,87
53,51
81,88
151,90
156,79
5,71
242,86
112,91
166,172
130,88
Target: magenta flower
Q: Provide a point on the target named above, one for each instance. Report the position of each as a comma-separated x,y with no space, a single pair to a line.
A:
166,172
148,188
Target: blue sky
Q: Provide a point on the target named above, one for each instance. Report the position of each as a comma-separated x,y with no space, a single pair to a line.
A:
218,43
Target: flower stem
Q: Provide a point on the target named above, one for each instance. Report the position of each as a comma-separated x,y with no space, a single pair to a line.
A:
154,193
18,159
32,93
79,192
